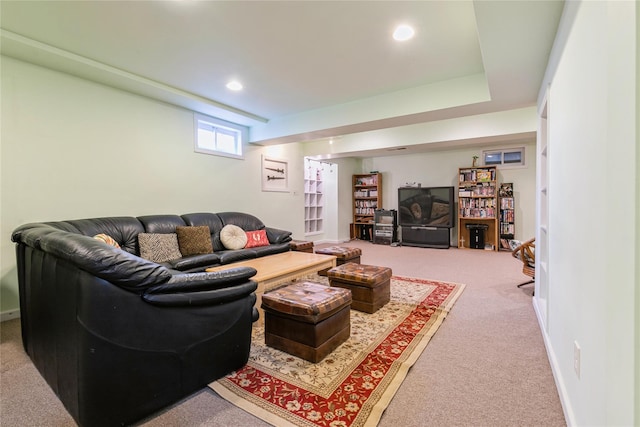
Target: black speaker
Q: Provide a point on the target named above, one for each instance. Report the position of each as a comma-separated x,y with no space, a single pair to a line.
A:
476,235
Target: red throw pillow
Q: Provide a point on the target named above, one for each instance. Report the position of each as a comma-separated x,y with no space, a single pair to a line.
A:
257,238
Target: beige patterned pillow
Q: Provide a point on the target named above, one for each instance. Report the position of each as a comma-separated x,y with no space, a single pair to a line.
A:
233,237
159,247
194,240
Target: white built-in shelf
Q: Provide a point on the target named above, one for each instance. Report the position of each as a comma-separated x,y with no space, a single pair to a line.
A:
313,201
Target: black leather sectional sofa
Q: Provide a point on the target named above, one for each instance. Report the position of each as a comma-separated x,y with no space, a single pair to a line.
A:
118,337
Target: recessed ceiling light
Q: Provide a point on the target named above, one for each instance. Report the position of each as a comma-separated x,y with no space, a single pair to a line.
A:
403,32
234,85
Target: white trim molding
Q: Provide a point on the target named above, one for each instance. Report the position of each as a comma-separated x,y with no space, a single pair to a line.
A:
9,315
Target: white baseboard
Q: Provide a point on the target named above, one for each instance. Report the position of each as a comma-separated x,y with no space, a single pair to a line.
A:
9,315
557,375
330,242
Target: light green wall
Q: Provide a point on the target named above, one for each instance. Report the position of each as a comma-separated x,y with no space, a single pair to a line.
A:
348,167
80,149
343,198
440,168
637,261
593,210
75,149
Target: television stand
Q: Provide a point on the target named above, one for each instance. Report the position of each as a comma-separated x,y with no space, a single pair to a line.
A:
426,237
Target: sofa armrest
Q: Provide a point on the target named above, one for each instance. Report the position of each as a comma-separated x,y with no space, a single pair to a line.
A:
192,282
278,236
106,262
203,288
211,297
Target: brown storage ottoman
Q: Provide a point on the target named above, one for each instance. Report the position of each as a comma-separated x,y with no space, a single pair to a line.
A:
301,246
307,319
370,285
343,255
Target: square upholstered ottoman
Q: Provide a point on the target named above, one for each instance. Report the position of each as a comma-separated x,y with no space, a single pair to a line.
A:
343,255
301,246
370,285
307,319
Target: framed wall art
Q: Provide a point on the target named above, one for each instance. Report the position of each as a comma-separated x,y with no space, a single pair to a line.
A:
275,174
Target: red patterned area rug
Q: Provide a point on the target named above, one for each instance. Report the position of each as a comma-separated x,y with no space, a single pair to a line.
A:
354,384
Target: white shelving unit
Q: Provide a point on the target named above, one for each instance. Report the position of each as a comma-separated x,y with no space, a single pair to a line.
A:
542,237
313,199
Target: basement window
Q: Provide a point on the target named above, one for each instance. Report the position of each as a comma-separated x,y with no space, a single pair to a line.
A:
218,137
509,157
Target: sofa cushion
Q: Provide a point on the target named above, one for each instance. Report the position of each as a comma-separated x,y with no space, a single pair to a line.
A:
233,237
269,249
194,240
158,247
256,238
107,239
229,257
194,262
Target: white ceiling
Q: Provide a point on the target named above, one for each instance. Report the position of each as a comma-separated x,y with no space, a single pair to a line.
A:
331,64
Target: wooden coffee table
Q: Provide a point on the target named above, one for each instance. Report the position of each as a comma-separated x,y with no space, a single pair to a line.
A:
275,270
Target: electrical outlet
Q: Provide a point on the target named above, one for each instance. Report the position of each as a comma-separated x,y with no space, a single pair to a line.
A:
576,358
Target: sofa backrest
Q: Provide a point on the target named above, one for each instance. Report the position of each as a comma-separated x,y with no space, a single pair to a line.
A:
49,243
124,230
212,221
243,220
216,221
161,224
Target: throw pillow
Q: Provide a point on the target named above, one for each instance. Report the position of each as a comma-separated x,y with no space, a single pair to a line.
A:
257,238
159,247
194,240
107,239
233,237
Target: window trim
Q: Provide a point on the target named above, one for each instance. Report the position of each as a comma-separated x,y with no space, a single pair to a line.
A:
241,131
502,151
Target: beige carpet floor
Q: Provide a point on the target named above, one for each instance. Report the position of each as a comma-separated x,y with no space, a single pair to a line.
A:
486,365
352,385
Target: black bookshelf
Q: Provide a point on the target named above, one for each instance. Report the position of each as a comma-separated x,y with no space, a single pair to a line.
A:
507,215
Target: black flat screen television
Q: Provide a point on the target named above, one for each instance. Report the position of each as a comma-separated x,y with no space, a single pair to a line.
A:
426,206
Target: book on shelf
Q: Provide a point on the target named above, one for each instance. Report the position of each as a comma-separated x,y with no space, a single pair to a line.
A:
477,175
507,228
365,193
483,176
367,180
506,189
506,203
484,189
